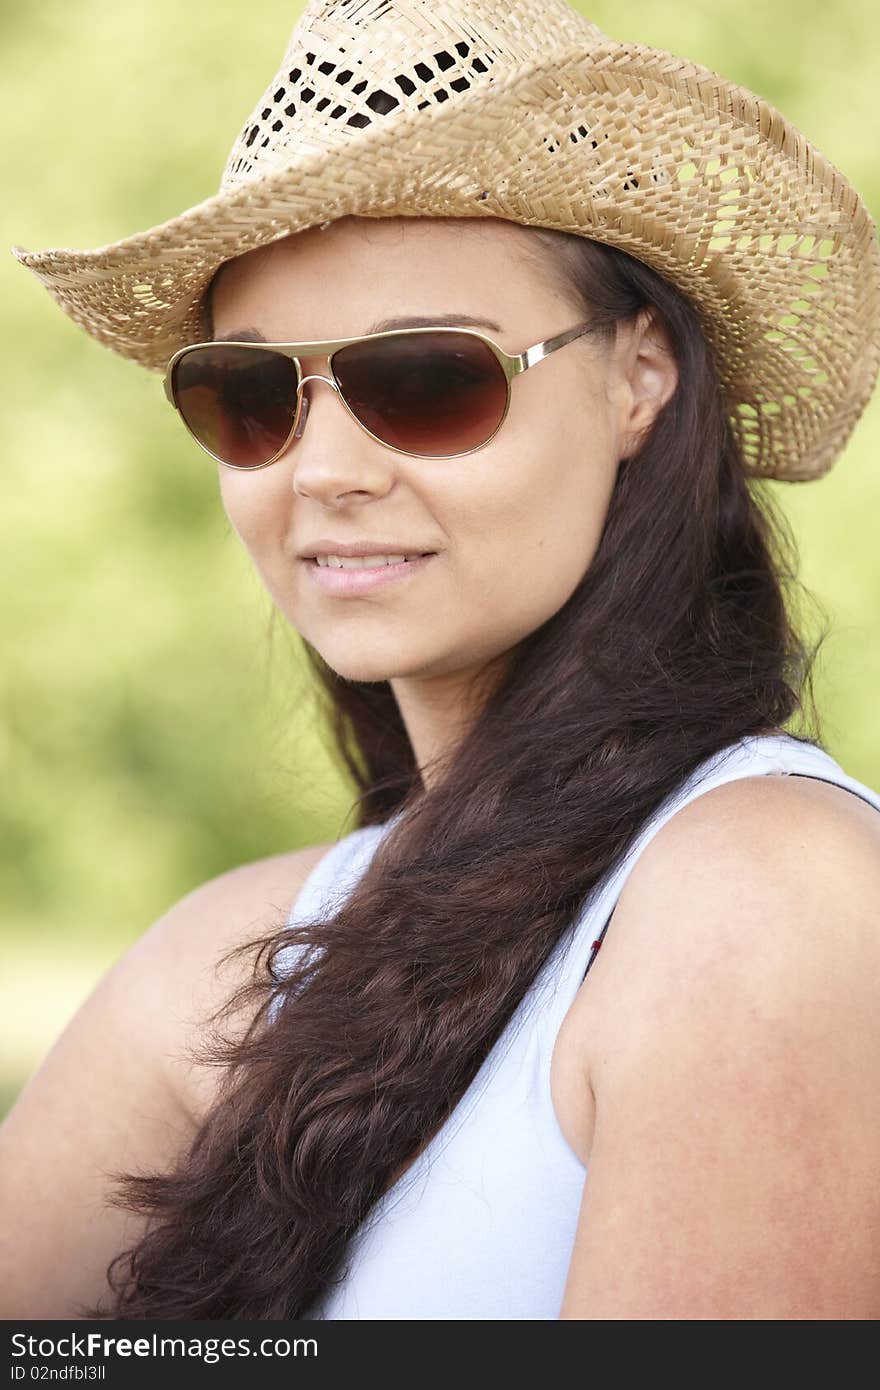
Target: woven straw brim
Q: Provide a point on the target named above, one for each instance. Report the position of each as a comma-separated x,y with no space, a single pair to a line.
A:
626,144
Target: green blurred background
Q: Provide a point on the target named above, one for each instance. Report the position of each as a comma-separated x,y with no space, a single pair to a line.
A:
157,725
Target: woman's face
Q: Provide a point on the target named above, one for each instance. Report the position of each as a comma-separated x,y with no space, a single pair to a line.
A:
512,526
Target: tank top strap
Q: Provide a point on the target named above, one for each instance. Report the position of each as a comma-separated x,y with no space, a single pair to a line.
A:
335,874
753,756
326,887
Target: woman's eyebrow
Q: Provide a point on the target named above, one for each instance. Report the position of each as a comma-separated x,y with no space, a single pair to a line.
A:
440,320
244,335
251,335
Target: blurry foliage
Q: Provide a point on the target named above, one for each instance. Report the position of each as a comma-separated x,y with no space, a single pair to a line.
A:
156,726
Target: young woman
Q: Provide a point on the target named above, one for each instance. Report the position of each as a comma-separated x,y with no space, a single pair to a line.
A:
582,1020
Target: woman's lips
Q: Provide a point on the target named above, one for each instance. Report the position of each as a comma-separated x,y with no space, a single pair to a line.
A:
344,583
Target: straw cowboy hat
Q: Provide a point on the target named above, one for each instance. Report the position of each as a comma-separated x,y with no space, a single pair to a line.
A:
522,109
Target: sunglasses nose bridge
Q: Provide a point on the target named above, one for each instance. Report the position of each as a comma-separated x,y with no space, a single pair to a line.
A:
316,377
304,400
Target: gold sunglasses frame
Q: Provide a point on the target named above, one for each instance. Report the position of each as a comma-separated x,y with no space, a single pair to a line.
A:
511,363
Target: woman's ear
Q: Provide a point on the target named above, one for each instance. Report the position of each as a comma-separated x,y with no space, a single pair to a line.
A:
649,372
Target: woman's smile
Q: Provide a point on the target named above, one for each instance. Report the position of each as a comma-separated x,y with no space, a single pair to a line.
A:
363,575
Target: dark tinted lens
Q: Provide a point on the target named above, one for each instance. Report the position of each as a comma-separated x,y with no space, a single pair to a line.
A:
426,393
239,402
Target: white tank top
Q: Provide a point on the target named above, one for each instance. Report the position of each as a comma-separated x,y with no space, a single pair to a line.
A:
482,1224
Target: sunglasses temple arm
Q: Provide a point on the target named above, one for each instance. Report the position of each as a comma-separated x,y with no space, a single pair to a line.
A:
542,350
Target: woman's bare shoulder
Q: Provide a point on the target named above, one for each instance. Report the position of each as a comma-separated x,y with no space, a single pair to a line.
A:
773,830
773,827
731,1047
761,880
758,853
118,1091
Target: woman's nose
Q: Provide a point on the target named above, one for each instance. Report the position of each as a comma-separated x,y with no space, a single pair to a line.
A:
336,463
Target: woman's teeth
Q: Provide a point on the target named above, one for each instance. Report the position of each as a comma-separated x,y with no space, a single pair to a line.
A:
366,562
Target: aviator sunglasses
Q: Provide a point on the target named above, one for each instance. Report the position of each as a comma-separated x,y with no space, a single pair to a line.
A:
430,392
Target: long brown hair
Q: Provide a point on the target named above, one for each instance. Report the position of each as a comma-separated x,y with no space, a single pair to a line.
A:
678,641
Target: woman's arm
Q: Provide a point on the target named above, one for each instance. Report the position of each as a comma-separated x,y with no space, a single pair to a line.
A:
735,1165
116,1091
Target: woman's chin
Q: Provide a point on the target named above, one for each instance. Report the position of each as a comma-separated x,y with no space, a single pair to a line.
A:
370,666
